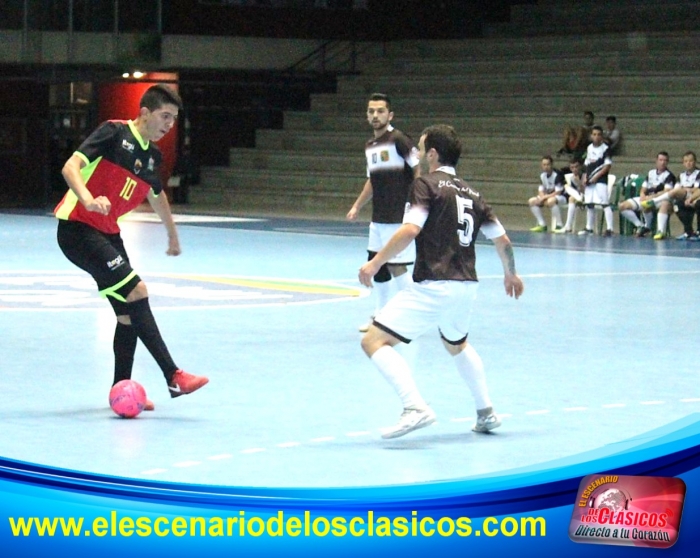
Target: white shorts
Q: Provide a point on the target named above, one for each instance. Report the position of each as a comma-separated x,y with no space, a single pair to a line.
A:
425,305
379,235
596,194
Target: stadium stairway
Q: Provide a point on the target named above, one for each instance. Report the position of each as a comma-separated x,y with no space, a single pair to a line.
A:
509,99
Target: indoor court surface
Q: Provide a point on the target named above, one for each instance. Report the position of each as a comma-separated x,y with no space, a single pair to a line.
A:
601,348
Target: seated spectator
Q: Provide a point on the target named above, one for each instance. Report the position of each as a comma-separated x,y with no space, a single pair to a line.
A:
659,180
611,135
549,194
573,191
576,139
588,121
684,196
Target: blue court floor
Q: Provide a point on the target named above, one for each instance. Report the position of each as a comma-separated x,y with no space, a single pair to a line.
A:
601,348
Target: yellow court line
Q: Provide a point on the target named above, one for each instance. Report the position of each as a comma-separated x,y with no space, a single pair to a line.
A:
281,285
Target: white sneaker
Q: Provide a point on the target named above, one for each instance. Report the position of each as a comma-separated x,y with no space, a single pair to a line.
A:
486,424
411,419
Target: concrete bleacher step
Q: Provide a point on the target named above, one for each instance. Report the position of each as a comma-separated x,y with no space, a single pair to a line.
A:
550,46
298,124
547,103
521,83
314,146
604,62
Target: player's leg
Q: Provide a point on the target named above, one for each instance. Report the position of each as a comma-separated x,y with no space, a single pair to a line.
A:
454,328
535,204
589,202
404,318
662,217
553,205
628,209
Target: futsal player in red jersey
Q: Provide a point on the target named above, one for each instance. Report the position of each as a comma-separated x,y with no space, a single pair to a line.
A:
444,216
110,174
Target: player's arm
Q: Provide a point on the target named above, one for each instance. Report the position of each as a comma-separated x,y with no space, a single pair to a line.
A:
162,208
362,199
604,169
401,239
72,176
512,282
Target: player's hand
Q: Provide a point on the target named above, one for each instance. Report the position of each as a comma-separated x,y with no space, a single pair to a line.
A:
352,214
173,246
367,272
100,205
514,286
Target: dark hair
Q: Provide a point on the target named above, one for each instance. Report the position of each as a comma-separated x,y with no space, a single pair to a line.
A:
664,153
596,127
588,113
611,119
690,153
158,95
548,157
443,139
575,159
381,97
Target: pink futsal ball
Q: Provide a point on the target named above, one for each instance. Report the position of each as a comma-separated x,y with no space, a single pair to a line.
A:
127,398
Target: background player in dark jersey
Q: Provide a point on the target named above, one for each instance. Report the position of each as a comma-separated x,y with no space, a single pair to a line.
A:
392,164
110,174
444,217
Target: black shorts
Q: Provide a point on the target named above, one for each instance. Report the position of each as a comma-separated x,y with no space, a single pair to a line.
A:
103,256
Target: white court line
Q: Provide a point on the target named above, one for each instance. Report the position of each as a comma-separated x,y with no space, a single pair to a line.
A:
690,400
288,444
153,471
219,457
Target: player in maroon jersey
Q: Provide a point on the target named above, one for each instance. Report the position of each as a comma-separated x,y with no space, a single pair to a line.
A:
444,216
111,173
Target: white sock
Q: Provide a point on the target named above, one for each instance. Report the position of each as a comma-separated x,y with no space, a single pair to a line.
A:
631,216
403,281
648,219
397,372
662,222
556,213
471,368
590,218
570,217
382,293
608,217
537,212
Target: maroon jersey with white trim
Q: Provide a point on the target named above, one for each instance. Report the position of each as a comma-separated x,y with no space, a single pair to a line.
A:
390,161
456,212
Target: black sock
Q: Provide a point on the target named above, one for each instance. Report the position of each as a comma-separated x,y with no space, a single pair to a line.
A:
686,216
144,324
124,346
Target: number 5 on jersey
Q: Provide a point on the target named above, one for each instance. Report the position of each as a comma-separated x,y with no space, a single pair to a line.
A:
465,231
128,189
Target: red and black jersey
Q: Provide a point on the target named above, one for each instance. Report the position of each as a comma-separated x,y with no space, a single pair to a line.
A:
456,213
390,162
121,166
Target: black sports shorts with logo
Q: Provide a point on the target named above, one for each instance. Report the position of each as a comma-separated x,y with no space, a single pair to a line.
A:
103,256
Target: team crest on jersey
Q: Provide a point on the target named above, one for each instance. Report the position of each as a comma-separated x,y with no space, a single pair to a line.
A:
385,156
128,146
138,165
151,163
